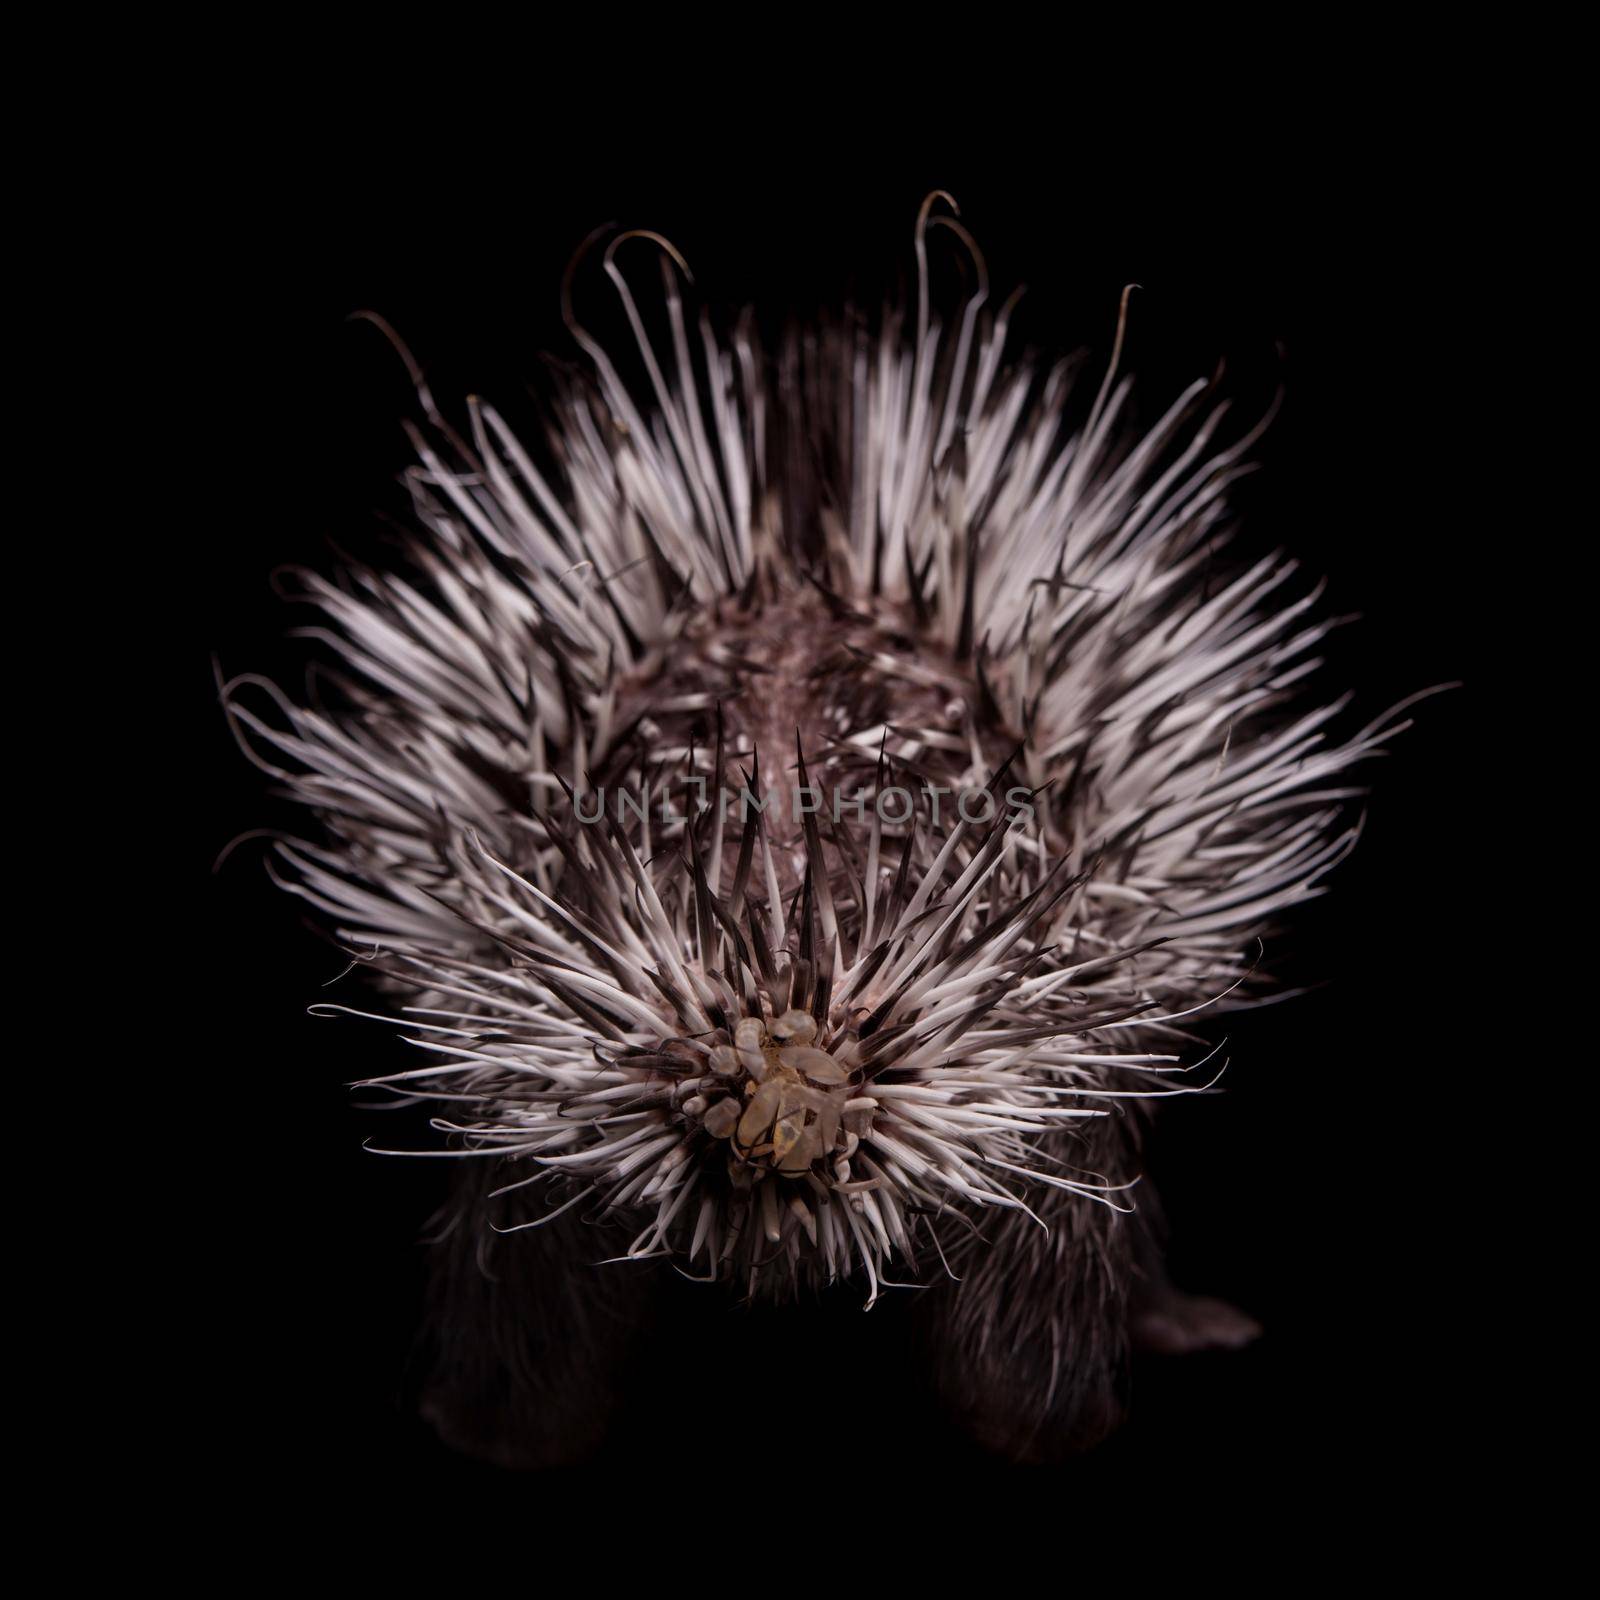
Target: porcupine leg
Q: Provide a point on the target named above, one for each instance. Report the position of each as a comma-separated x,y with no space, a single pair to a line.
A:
1029,1351
1165,1321
1162,1319
525,1336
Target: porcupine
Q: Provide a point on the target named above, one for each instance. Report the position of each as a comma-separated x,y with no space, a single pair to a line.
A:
798,820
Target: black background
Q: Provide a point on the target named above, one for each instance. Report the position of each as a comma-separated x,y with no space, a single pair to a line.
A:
1322,1189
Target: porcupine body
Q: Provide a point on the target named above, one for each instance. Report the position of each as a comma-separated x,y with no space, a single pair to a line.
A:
796,821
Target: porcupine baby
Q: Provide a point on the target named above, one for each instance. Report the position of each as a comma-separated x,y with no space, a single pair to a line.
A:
798,827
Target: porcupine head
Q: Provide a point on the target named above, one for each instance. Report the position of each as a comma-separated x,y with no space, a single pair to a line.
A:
796,809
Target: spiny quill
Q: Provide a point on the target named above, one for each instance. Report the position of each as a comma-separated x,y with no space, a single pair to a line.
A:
794,1044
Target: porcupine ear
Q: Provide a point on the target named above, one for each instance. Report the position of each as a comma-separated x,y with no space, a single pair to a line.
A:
525,1337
